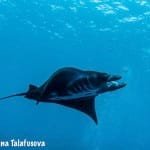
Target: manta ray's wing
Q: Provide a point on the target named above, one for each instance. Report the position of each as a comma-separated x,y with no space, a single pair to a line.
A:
83,104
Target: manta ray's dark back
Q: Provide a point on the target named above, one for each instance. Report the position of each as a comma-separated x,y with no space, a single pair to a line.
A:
60,81
74,88
62,86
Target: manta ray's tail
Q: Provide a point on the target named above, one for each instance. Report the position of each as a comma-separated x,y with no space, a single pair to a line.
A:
20,94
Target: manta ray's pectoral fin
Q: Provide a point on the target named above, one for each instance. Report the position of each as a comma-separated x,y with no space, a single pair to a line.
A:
85,105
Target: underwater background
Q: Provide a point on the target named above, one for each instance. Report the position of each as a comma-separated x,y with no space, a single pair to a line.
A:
37,37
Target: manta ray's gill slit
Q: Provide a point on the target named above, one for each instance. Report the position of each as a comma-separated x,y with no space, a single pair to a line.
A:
72,89
78,86
81,85
84,85
75,89
70,92
89,83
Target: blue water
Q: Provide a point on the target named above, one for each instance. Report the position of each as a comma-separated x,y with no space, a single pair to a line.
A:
37,37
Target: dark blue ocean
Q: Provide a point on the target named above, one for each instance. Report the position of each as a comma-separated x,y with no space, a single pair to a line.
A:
37,37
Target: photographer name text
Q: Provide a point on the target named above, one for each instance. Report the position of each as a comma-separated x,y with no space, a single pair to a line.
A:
22,143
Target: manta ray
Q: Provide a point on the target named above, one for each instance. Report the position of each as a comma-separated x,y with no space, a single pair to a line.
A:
74,88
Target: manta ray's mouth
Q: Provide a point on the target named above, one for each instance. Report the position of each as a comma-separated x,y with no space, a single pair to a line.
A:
113,83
